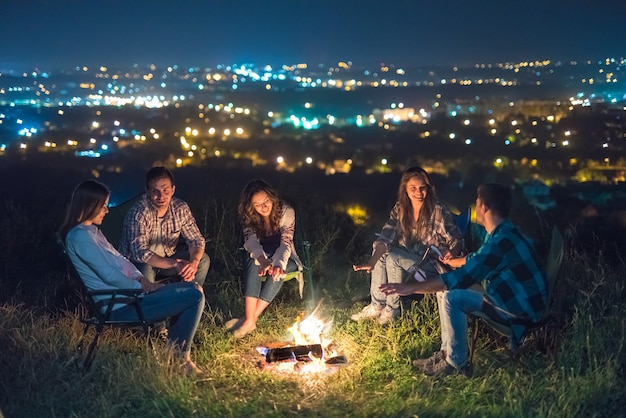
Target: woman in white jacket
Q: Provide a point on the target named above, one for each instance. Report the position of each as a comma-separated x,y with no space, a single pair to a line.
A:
268,228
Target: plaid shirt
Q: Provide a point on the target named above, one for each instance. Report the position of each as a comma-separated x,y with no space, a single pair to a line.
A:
441,231
141,229
508,268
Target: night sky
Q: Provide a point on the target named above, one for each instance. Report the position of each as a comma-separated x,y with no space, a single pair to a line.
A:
37,33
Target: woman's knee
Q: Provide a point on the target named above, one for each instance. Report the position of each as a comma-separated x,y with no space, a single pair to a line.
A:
270,290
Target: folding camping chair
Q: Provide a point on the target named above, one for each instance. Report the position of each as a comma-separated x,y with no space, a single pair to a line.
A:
98,310
544,329
463,220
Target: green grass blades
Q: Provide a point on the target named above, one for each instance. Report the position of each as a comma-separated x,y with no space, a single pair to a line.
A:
42,375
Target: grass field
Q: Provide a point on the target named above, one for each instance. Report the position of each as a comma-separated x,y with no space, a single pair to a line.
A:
42,374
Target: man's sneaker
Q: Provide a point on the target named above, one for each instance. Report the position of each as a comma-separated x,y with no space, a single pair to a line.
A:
388,315
370,311
420,363
443,368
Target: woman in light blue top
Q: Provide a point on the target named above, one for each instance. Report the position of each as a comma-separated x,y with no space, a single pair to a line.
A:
101,267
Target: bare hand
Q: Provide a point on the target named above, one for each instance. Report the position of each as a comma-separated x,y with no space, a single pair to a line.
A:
147,286
187,269
451,261
277,273
401,289
265,269
363,267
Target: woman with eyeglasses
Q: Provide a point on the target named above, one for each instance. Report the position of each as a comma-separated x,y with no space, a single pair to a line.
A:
101,267
416,222
268,228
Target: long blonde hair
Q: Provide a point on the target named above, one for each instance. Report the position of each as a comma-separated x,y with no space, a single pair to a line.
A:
405,215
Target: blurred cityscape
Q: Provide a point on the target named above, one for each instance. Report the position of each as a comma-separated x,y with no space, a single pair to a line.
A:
545,122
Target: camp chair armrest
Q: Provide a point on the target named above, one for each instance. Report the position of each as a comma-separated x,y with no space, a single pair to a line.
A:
116,292
115,296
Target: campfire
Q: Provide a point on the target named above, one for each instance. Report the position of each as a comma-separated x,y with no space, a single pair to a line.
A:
310,352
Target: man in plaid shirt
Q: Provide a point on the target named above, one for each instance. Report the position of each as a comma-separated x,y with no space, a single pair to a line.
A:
501,278
152,229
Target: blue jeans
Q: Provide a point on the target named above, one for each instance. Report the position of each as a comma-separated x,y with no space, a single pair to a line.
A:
153,273
454,305
181,302
264,288
392,268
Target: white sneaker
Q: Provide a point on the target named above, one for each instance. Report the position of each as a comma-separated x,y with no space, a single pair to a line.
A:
388,315
370,311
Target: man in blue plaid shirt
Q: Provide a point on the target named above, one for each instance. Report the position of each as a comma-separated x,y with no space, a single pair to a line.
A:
501,278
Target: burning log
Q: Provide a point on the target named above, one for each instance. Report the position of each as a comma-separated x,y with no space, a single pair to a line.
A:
311,351
298,353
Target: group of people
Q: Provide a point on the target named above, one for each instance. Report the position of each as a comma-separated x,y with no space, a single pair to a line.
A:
150,256
501,278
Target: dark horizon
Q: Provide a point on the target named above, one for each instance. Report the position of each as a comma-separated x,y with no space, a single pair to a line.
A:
65,33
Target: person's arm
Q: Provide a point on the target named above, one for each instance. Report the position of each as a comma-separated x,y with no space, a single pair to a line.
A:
157,261
382,245
454,262
181,223
137,235
413,287
187,269
478,267
449,235
147,286
252,245
389,231
191,233
99,265
379,250
283,252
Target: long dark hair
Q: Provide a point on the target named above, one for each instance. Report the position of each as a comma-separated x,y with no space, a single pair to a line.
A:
250,217
87,200
405,215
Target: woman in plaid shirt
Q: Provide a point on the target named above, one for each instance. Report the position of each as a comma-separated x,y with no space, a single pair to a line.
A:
502,279
268,229
416,222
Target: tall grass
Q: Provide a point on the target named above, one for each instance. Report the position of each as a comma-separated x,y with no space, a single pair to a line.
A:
42,374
